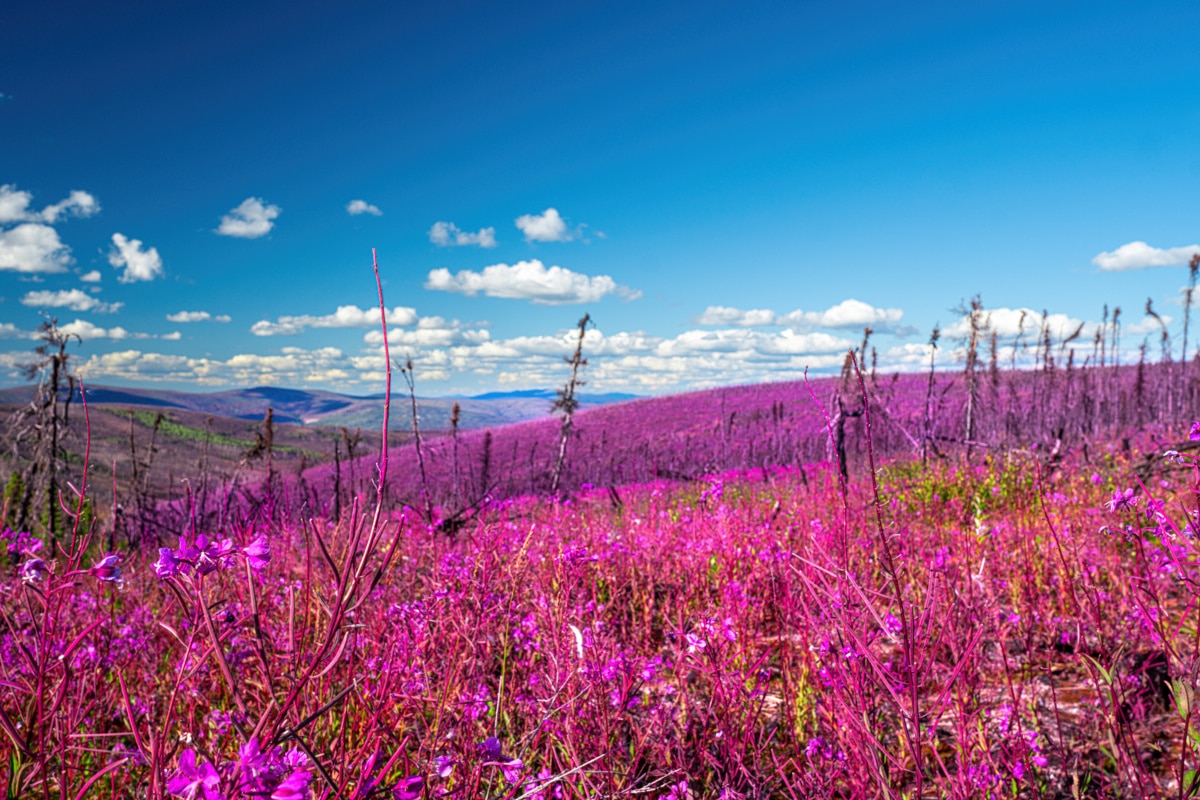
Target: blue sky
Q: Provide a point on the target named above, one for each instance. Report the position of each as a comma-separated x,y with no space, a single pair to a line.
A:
731,190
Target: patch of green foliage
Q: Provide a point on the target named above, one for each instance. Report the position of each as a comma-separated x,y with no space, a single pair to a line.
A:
914,484
173,429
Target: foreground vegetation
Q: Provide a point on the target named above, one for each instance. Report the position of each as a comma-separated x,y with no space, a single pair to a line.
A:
988,589
992,628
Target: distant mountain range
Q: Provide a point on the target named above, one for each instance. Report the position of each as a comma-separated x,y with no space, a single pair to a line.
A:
330,408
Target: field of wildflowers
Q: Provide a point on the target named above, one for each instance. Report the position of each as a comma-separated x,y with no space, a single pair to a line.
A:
740,615
963,629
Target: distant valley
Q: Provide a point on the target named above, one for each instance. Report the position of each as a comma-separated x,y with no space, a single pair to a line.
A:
304,407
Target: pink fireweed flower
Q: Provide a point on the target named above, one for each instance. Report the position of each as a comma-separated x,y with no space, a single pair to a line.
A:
20,543
108,568
493,757
34,570
270,773
293,787
443,765
167,564
258,553
1121,500
211,556
409,788
195,782
1194,433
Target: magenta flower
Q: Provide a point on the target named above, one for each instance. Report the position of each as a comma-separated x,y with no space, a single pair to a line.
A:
409,788
20,542
258,553
209,557
167,564
293,787
271,773
194,782
1194,433
443,765
678,792
1121,500
108,568
512,768
34,570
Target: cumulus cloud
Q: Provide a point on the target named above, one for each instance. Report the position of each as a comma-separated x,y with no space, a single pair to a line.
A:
548,226
724,315
15,206
32,247
1139,255
196,316
292,366
343,317
849,313
72,299
86,330
92,276
429,332
250,220
356,207
529,280
139,264
447,234
1009,323
11,331
78,204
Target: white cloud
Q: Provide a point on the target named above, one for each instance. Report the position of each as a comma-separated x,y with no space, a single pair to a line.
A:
849,313
447,234
292,367
196,316
86,330
429,332
356,207
93,276
73,299
1139,255
1008,323
78,204
11,331
344,317
173,336
724,315
32,248
529,280
139,264
250,220
32,245
545,227
1145,326
14,206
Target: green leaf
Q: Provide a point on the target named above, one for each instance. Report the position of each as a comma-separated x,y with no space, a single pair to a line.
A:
15,768
1184,697
1191,781
1104,674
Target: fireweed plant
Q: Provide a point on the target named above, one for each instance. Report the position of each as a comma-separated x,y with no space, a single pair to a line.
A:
1019,625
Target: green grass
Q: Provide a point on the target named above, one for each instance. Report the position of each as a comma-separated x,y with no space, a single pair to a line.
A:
184,432
175,430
